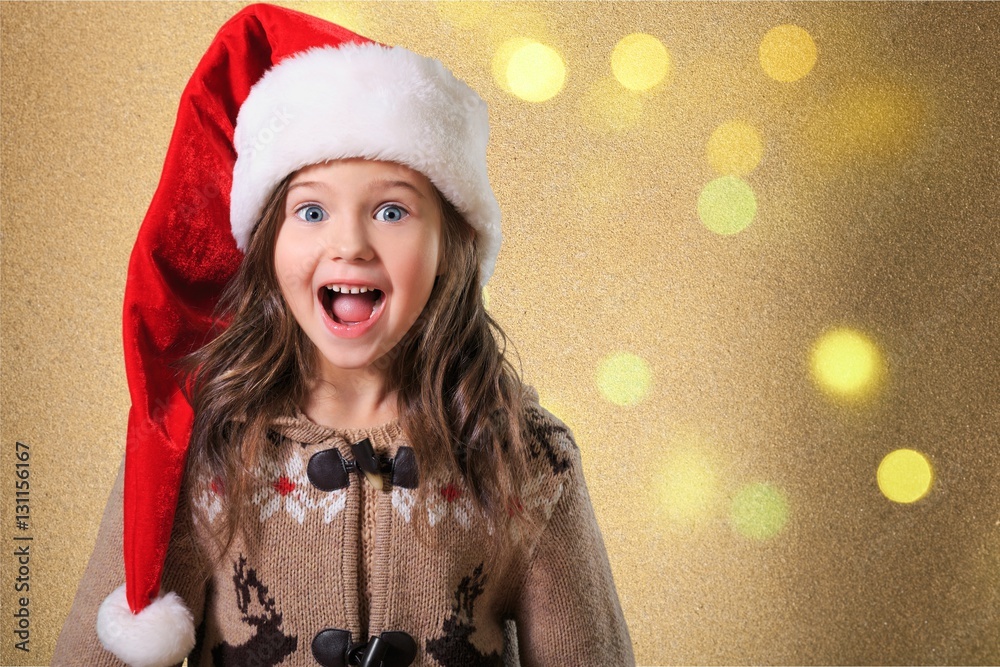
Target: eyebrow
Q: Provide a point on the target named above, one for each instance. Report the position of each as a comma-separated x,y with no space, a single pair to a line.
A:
374,185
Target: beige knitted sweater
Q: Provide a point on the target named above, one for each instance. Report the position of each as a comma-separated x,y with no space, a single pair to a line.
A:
349,560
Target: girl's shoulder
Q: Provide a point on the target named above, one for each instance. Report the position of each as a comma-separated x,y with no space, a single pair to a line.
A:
554,458
550,440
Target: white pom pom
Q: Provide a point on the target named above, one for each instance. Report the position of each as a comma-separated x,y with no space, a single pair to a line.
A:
160,635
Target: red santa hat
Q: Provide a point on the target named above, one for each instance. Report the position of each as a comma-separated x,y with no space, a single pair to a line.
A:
277,90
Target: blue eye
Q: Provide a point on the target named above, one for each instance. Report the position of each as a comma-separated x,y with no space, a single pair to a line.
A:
393,213
311,213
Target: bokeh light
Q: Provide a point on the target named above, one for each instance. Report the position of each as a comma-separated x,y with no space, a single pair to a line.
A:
624,378
727,205
501,60
608,107
640,61
735,148
865,123
905,476
759,511
846,363
529,69
787,53
690,486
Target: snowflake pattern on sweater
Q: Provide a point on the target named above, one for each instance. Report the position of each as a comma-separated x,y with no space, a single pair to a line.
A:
288,486
459,612
285,486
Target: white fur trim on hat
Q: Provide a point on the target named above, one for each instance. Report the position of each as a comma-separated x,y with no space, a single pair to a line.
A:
370,101
160,635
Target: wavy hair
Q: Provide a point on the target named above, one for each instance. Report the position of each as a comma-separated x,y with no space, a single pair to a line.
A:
460,401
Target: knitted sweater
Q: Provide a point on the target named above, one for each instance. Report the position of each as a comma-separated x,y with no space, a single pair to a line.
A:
348,560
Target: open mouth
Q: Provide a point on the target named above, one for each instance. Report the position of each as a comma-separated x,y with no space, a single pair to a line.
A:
353,307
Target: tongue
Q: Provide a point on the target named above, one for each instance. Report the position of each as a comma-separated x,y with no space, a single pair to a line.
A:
351,308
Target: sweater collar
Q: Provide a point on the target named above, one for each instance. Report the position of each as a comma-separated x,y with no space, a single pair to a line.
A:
302,429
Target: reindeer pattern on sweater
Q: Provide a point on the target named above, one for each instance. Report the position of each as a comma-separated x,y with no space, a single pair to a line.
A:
347,558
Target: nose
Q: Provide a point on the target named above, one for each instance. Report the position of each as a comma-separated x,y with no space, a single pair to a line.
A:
348,239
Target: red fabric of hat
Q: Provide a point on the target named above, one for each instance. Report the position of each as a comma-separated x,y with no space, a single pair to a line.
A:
184,256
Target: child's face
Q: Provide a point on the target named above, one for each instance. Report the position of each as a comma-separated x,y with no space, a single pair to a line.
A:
346,222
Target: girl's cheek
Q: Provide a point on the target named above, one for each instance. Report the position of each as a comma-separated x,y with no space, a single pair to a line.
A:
294,257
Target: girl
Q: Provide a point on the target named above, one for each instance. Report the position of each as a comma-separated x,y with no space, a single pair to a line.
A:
368,482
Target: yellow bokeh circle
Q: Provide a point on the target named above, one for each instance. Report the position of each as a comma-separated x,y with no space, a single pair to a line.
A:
624,378
533,71
501,59
690,487
735,148
787,53
846,363
905,476
640,61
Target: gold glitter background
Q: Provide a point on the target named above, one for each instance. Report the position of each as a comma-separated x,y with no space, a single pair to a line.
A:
736,490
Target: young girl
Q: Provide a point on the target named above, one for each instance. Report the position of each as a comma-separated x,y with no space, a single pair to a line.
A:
350,471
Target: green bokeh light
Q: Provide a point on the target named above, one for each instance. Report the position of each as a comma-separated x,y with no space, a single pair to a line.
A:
759,511
727,205
624,378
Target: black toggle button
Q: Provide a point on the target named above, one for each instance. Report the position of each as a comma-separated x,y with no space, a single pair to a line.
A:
333,648
364,455
404,469
327,470
330,647
373,654
397,649
367,462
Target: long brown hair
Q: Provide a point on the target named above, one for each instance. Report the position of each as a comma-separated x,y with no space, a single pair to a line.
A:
459,399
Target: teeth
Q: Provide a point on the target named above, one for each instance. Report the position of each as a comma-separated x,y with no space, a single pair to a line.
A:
347,289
